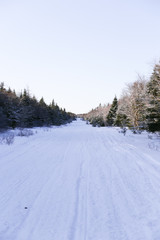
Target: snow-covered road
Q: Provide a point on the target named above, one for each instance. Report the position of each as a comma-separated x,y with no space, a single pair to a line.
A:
79,183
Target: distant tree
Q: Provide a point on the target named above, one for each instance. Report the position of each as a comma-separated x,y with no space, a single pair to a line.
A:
42,102
2,88
153,91
111,117
3,119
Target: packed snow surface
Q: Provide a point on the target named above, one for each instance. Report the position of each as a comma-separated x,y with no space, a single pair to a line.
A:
77,182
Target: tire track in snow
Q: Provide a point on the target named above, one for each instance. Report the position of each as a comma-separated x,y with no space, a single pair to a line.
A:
126,163
78,226
76,207
21,186
40,199
103,214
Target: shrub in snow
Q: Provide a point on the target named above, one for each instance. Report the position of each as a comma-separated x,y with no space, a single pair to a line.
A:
154,146
123,130
154,143
25,133
150,136
155,135
7,139
158,134
46,129
136,130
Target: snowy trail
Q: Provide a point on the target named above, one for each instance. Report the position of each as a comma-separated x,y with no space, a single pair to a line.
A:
79,183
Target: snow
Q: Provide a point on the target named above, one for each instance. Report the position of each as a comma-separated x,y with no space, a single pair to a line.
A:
77,182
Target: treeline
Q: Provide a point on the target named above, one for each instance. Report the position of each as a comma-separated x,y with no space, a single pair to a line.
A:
23,110
138,108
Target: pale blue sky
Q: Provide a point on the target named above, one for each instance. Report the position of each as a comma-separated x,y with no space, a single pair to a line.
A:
81,53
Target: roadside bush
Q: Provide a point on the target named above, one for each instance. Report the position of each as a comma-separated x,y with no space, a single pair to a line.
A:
123,130
154,146
7,139
25,133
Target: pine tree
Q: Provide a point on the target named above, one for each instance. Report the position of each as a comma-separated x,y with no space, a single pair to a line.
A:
111,117
2,88
153,91
3,119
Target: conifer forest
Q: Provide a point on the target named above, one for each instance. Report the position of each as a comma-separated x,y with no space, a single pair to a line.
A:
23,110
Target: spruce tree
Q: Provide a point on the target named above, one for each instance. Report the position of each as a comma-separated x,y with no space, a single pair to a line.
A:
153,91
111,117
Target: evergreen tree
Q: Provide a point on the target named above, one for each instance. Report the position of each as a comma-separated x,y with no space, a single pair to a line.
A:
3,119
2,89
121,120
153,91
111,117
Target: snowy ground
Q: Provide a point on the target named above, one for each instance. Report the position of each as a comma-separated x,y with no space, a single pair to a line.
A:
80,183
